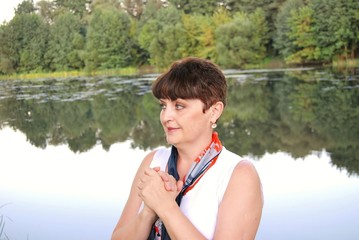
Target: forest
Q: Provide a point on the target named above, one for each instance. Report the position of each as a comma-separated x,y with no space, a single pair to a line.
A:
92,35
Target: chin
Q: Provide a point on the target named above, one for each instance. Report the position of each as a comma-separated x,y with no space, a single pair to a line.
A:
171,140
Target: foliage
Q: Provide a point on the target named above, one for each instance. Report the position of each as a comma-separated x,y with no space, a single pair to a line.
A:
242,41
160,35
91,35
108,40
23,44
77,7
336,27
46,10
25,7
281,43
302,35
66,43
207,7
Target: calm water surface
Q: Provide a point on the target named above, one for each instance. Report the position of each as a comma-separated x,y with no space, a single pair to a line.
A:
70,148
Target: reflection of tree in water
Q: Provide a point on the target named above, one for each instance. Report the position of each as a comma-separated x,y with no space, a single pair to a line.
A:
267,112
295,117
114,118
148,132
34,119
79,123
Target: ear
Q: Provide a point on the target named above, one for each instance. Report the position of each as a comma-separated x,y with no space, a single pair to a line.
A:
216,111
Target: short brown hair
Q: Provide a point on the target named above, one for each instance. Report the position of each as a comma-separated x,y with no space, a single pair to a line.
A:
192,78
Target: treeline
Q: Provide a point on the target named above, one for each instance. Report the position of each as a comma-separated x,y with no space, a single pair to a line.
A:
90,35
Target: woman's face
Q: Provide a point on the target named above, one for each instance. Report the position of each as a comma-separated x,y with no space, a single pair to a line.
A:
184,122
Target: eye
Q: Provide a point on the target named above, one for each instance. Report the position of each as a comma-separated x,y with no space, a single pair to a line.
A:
162,106
179,106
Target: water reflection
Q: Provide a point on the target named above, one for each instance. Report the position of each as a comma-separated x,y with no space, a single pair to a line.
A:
293,111
58,194
70,148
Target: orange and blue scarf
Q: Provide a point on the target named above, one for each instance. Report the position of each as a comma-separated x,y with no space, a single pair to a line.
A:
199,167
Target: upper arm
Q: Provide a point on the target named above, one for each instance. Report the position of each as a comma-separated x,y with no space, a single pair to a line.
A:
241,207
133,203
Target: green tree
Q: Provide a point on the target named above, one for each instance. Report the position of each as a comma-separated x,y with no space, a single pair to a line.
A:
78,7
336,27
197,37
66,43
133,7
24,39
7,52
242,41
102,4
302,34
159,36
281,42
46,10
25,7
269,7
203,7
109,40
150,11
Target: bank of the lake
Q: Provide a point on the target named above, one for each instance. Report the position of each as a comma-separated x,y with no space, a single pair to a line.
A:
267,63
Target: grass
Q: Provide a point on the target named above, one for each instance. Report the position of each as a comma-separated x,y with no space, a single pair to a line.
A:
66,74
279,63
266,63
2,226
346,63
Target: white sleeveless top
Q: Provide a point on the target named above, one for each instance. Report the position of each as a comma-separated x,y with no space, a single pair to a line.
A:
201,203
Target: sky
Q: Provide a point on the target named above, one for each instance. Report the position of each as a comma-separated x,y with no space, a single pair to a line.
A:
7,9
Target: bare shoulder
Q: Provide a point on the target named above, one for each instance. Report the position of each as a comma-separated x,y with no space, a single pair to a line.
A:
241,207
147,159
245,171
245,181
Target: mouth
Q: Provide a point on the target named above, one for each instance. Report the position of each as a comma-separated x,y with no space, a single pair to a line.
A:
171,129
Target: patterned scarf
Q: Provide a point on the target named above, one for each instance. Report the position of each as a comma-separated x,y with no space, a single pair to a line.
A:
203,162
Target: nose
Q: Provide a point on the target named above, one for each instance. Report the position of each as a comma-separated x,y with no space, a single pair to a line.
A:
167,114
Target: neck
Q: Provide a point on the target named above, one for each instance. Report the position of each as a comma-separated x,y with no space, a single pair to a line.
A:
188,152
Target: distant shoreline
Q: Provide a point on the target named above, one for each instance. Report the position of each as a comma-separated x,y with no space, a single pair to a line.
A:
133,71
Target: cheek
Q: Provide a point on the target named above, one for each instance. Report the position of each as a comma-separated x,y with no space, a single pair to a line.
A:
162,117
199,120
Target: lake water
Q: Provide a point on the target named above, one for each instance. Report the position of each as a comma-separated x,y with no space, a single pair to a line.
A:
70,148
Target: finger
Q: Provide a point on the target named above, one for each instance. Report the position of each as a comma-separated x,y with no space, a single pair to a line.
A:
179,185
140,186
164,176
142,179
150,172
157,169
169,186
170,182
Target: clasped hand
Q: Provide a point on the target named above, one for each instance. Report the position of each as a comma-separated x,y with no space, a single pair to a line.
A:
158,189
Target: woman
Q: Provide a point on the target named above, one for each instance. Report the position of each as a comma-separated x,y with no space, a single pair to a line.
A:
197,189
